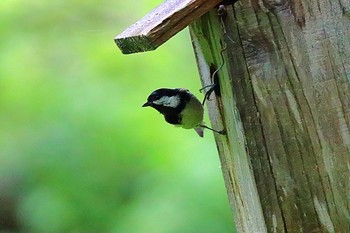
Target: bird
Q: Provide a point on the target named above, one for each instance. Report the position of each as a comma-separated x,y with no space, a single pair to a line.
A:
180,108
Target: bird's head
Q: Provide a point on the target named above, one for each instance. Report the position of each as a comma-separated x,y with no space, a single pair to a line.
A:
166,99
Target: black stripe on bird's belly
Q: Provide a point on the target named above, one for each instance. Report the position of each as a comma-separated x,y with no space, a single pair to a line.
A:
173,115
174,119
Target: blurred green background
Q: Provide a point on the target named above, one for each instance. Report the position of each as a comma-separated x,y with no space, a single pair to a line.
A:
77,151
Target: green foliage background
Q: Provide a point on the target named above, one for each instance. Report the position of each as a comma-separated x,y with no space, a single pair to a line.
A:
77,151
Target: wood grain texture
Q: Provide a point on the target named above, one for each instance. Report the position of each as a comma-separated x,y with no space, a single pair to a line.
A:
161,24
285,102
239,180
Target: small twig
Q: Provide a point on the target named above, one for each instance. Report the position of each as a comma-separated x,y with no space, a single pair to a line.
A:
221,14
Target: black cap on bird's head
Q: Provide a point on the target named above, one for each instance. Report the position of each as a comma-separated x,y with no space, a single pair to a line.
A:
165,98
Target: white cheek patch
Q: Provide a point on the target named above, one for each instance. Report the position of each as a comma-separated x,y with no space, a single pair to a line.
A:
168,101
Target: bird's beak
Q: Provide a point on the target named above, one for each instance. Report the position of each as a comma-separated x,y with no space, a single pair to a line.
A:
146,104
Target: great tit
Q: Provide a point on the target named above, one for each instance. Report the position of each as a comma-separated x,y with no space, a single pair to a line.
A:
179,107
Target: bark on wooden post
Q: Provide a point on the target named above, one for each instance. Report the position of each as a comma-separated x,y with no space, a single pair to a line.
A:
285,103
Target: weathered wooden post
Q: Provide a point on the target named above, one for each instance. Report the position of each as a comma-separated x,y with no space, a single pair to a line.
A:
284,101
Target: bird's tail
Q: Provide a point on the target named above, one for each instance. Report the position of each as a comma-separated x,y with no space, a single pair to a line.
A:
200,131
